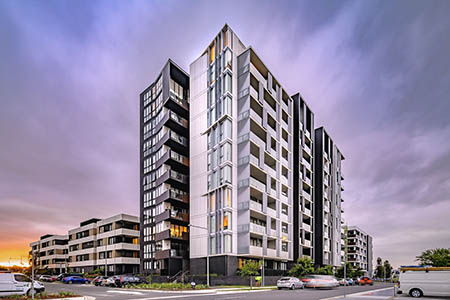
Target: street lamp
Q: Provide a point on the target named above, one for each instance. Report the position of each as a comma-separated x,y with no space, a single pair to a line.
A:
207,250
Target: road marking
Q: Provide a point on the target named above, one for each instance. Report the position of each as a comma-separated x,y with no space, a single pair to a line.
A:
361,295
124,292
201,295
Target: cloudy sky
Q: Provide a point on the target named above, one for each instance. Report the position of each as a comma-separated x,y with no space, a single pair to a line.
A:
376,74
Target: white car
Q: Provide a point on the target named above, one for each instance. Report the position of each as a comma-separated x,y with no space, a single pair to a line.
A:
18,284
423,282
290,283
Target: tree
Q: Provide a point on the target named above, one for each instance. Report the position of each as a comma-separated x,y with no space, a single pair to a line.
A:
325,270
439,257
349,273
358,272
379,270
387,269
249,269
304,266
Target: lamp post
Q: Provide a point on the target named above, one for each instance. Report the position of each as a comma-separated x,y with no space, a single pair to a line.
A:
345,256
207,250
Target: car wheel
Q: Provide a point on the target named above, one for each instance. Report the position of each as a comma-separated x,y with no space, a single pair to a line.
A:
70,281
279,288
292,287
415,293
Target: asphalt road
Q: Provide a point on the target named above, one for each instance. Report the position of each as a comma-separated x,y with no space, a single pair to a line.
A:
102,293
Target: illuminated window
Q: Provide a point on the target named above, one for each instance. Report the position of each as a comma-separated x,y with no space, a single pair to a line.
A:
212,54
212,202
227,197
227,221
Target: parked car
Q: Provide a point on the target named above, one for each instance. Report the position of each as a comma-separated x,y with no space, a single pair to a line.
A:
425,282
18,284
365,280
350,281
320,281
46,278
61,276
109,281
74,279
343,282
98,280
124,280
290,283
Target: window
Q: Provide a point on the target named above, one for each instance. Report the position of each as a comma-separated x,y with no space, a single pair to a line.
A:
225,152
212,223
284,209
212,202
284,246
284,228
177,230
227,244
227,221
227,197
212,245
227,105
212,55
225,175
228,83
228,59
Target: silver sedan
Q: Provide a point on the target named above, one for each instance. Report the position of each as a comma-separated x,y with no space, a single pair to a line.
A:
289,283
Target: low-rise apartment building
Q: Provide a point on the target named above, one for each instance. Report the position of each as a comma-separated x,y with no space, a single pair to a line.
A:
50,253
112,243
359,249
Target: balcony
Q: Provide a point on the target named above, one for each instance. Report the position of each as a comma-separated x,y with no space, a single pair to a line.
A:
255,206
173,196
307,212
173,215
164,235
306,164
254,160
254,93
272,253
257,184
307,243
306,227
271,212
258,229
256,251
170,253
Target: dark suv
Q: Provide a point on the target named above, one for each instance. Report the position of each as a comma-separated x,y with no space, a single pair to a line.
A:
124,280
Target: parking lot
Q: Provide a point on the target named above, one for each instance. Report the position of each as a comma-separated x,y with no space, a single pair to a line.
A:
222,294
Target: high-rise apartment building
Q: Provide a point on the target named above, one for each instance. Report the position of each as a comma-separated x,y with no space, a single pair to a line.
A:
241,172
111,243
50,253
359,249
328,200
164,169
230,169
303,185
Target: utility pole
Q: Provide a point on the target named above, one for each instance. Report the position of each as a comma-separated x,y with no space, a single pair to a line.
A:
345,258
32,274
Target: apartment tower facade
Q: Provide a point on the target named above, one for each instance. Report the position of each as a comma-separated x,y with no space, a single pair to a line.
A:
303,185
111,243
241,174
164,171
50,253
328,200
359,249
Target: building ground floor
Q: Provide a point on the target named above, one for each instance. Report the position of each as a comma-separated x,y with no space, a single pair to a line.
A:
113,269
228,265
